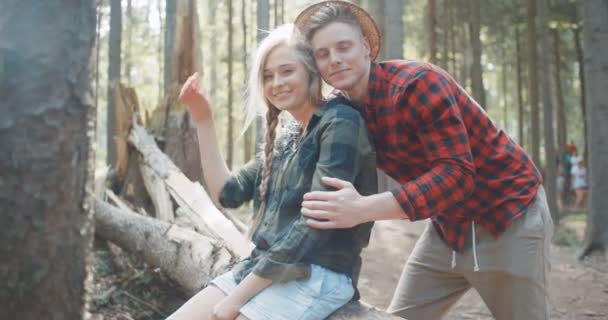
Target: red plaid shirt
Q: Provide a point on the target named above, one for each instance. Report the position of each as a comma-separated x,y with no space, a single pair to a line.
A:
454,164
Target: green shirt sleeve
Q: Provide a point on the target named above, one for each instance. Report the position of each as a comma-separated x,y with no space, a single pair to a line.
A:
240,187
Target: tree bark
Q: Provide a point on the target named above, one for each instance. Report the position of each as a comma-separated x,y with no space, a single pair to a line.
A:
562,128
247,135
129,43
229,117
520,96
393,37
595,40
263,22
432,22
583,85
476,70
170,28
46,135
550,171
114,66
533,80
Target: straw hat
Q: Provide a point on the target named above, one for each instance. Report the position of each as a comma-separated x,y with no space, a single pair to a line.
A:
368,25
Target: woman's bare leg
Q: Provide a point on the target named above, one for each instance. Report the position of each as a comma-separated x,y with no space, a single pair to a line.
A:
199,307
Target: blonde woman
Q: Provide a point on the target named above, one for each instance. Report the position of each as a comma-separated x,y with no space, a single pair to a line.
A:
294,272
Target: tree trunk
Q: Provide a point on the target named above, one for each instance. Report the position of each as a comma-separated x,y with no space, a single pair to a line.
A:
262,19
97,51
170,28
476,69
393,37
562,129
550,171
595,40
114,63
129,44
179,129
213,73
520,96
247,135
432,22
465,16
583,84
160,57
445,26
229,117
452,7
503,71
533,80
46,135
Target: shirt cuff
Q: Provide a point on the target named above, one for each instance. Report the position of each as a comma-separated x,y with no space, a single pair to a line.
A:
402,197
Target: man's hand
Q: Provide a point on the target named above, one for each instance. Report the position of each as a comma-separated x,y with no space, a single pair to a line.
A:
340,209
227,309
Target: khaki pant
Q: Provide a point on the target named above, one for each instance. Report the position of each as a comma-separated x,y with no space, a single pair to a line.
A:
512,275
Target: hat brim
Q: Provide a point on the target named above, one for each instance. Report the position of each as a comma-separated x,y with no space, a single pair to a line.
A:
369,28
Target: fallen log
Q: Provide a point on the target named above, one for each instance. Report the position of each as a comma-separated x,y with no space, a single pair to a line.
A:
189,259
190,196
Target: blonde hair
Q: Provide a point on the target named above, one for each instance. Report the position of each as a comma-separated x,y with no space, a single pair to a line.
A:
256,101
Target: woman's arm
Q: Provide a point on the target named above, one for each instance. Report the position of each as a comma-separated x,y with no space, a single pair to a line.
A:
249,287
214,168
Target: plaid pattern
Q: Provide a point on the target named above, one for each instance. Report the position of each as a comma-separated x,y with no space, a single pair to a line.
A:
337,145
454,164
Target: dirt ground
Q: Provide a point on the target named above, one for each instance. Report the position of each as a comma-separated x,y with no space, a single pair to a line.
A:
126,289
579,290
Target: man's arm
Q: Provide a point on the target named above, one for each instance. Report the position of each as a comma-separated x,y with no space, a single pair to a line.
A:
346,208
441,131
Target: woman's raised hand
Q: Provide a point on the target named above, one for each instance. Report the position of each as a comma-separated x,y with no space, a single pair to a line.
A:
197,103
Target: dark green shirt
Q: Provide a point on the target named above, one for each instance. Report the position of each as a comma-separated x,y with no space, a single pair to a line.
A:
337,145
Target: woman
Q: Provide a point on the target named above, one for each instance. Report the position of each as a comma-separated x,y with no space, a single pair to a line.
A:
294,272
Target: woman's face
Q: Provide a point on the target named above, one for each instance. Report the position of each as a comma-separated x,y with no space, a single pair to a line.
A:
285,80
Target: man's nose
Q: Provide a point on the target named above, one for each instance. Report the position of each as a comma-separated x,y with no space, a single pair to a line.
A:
334,57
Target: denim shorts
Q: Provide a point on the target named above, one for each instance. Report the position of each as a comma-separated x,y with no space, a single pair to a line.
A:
313,298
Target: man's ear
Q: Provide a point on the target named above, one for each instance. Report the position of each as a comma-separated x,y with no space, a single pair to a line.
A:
366,46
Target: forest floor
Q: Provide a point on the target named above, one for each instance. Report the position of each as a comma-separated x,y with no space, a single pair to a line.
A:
126,289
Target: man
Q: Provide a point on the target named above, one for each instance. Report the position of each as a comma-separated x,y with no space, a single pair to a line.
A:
490,225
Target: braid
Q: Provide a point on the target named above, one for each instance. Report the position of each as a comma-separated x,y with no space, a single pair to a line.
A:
272,121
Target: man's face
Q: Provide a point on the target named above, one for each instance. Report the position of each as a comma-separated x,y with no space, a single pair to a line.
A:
342,55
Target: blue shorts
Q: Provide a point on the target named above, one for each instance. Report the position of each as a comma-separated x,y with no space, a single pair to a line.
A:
313,298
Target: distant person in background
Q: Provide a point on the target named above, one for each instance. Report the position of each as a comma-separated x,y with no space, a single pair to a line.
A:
579,182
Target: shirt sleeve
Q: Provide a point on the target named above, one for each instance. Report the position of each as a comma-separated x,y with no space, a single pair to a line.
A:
240,187
429,100
344,146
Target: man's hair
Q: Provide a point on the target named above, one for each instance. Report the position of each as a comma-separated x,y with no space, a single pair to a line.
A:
328,14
